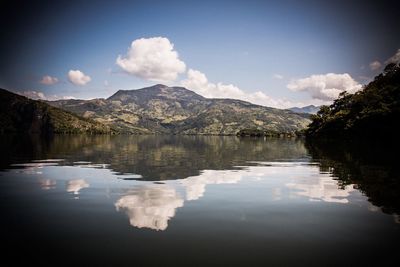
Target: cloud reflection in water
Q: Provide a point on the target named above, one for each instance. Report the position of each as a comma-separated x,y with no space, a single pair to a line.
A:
47,184
321,188
76,185
150,206
196,185
153,205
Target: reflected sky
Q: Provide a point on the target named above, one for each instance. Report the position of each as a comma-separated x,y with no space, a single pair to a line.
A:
153,205
74,186
47,184
150,206
195,186
286,174
195,192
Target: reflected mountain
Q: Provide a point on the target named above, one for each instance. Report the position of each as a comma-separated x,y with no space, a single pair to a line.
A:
198,161
155,158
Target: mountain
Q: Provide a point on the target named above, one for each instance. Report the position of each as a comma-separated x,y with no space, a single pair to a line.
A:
372,113
311,109
19,114
177,110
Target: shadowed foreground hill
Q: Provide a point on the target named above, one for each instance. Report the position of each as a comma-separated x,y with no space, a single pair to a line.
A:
372,113
177,110
19,114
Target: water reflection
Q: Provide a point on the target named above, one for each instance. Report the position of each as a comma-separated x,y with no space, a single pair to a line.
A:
320,188
150,206
155,158
225,200
371,168
154,205
318,172
74,186
196,185
47,184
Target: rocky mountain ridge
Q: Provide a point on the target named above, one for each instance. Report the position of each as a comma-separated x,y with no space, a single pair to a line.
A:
160,109
19,114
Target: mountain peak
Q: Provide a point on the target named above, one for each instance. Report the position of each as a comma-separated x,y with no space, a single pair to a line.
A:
164,109
158,86
158,91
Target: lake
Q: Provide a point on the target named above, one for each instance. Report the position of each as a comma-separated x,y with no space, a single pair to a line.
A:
196,201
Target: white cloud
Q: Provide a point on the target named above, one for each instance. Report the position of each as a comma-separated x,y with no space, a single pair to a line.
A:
152,59
36,95
278,76
77,77
155,59
48,80
198,82
375,65
325,87
395,58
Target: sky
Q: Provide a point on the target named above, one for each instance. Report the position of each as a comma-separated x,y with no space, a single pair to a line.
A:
273,53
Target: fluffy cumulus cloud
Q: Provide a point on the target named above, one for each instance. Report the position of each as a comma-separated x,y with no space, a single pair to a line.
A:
36,95
152,59
375,65
278,76
77,77
325,87
198,82
48,80
395,58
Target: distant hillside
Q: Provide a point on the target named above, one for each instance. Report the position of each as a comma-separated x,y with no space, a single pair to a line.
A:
311,109
371,113
19,114
177,110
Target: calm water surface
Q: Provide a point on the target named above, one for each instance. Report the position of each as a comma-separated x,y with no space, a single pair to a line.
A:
195,201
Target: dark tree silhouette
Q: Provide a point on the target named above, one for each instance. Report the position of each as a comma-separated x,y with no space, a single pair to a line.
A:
370,113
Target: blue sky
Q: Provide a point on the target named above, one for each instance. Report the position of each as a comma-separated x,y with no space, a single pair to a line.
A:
275,53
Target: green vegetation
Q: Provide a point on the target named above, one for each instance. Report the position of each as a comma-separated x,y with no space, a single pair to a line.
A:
254,132
161,109
370,113
19,114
